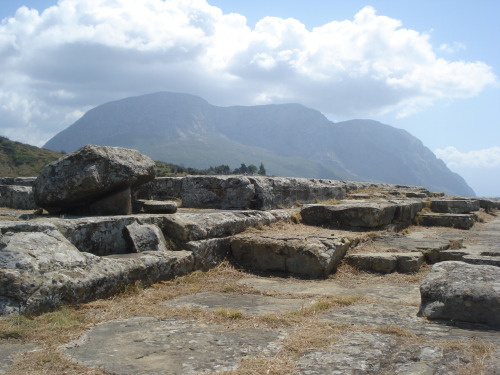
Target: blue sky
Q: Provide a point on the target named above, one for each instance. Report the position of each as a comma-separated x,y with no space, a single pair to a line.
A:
429,67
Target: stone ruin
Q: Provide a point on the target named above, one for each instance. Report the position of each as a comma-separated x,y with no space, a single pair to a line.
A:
104,222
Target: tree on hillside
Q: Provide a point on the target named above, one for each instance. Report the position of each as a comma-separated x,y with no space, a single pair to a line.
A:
262,170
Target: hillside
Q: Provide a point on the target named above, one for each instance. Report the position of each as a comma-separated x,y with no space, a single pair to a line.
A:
290,139
22,160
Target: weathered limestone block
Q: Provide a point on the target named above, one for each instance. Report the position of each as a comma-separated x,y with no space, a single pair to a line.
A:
459,221
18,197
222,192
88,174
462,292
482,260
454,206
313,255
146,237
374,262
272,192
208,253
40,269
361,214
161,189
489,204
19,181
159,207
386,262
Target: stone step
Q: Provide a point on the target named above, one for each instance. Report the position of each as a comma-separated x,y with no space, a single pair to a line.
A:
454,206
386,262
459,221
311,254
482,259
364,214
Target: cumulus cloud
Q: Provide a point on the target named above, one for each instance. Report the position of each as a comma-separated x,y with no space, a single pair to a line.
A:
79,54
487,158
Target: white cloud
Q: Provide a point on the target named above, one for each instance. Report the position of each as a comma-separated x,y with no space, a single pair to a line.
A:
487,158
453,47
80,54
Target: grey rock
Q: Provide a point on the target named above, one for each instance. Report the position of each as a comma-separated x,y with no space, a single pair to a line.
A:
462,292
386,262
378,353
146,237
245,303
313,255
459,221
208,253
454,206
482,259
157,207
17,197
89,174
19,181
40,269
161,189
151,347
222,192
489,205
362,213
273,192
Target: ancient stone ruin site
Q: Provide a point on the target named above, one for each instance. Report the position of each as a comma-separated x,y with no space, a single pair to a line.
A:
105,269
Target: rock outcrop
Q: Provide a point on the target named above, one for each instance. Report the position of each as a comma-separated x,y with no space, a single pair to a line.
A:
95,180
459,291
310,254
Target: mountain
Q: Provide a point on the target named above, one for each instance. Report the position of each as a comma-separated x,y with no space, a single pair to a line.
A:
290,139
22,160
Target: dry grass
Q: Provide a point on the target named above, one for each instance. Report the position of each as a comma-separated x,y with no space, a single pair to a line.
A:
276,365
475,356
349,276
49,361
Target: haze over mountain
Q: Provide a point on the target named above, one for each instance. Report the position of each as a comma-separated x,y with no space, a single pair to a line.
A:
290,139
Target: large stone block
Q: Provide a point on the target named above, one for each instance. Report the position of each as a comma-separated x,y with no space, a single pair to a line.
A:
454,206
459,221
90,174
17,197
361,214
313,255
222,192
463,292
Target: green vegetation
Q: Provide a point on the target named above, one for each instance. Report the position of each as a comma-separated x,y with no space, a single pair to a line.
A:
164,169
22,160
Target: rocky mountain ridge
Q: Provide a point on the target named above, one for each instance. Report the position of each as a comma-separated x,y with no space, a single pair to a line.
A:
290,139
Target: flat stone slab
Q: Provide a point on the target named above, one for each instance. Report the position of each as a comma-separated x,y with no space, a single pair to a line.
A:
459,221
248,303
151,346
403,293
386,262
314,254
454,206
365,214
405,317
378,353
459,291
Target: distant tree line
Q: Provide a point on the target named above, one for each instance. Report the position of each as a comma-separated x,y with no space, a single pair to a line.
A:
167,169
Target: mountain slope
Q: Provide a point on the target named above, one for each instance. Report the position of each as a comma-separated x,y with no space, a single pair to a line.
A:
290,139
22,160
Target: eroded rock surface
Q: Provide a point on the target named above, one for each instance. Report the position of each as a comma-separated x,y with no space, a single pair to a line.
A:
462,292
91,173
150,346
314,254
